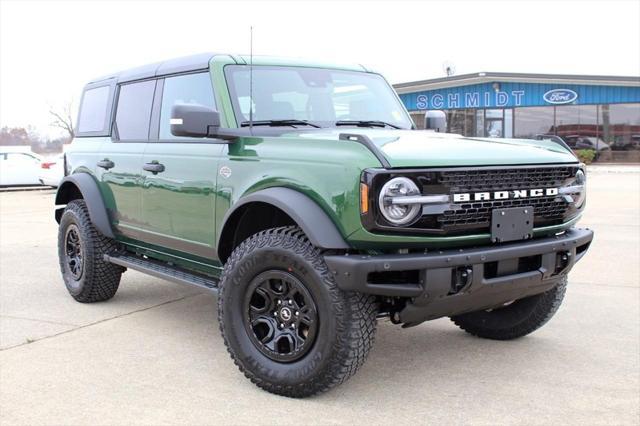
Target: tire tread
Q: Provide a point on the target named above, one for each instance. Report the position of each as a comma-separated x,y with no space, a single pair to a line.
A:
102,278
356,325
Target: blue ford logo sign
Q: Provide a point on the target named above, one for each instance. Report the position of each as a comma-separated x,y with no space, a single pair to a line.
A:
560,96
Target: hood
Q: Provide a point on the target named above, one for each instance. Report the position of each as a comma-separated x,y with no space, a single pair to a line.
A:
424,148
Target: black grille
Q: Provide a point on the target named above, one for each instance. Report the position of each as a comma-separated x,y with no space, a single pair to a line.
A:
476,216
547,210
475,180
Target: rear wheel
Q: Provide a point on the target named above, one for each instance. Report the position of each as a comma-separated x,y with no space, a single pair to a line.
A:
81,249
516,319
286,324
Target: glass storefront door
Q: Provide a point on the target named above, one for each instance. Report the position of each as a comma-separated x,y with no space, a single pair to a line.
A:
498,123
489,123
493,123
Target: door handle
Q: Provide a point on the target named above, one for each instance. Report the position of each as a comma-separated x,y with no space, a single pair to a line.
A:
106,164
154,167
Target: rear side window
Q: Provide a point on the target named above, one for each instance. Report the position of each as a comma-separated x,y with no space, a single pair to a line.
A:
133,112
94,110
191,89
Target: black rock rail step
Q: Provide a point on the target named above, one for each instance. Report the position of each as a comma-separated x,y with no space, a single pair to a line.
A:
163,270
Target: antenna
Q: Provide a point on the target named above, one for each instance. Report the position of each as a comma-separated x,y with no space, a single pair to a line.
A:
251,80
449,68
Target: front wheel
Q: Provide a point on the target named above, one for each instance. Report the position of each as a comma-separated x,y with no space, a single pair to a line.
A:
286,324
516,319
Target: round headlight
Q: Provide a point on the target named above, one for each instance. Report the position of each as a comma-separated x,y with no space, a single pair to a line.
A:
398,213
581,177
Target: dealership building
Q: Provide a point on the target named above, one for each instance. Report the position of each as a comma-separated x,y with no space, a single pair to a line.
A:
588,112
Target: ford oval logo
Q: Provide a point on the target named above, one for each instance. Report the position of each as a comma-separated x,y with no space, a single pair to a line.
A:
560,96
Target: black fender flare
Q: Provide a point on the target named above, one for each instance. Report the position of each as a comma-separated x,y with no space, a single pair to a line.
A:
86,184
315,223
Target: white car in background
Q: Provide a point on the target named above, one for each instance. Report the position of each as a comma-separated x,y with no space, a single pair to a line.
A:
52,171
19,168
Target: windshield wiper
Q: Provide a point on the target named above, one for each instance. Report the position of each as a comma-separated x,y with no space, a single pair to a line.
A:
366,123
275,123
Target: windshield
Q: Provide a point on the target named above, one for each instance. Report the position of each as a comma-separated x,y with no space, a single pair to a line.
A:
320,96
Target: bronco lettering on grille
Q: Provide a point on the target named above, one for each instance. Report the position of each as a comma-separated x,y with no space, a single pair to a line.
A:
504,195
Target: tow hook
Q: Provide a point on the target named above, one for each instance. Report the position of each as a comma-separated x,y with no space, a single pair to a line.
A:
461,277
562,261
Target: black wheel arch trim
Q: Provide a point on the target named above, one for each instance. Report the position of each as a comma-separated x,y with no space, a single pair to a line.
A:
88,187
305,212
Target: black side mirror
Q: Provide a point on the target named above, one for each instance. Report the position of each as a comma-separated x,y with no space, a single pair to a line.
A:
194,121
435,120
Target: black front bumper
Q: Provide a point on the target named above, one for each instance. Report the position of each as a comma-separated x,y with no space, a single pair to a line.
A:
452,282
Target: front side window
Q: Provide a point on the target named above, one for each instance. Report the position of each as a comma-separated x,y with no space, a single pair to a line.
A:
190,89
133,113
321,96
94,110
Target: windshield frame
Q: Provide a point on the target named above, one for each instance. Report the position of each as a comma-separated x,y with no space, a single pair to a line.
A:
238,116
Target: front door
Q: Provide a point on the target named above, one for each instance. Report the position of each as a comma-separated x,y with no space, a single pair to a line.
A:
179,189
119,169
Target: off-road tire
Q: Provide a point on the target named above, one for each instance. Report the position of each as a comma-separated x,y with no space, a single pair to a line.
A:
99,279
516,319
347,320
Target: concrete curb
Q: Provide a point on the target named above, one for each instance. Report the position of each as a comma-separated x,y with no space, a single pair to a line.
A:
613,168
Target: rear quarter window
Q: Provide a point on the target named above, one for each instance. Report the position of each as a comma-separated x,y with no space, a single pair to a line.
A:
93,119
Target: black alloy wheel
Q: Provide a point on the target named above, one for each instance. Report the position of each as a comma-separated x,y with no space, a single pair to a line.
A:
73,252
281,316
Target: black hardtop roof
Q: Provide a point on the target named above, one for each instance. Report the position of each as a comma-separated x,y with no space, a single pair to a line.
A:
170,66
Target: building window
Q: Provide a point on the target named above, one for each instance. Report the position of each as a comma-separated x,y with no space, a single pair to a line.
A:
479,124
621,126
508,123
418,119
577,120
611,131
493,123
461,121
620,129
533,121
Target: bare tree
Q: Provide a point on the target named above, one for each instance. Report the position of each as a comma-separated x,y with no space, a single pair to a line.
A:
62,119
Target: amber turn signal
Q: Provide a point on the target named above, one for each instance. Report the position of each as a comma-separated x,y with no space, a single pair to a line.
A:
364,198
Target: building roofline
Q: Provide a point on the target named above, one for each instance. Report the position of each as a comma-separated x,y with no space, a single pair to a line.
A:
486,77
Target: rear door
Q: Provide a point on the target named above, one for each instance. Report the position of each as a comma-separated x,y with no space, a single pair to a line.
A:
178,199
119,169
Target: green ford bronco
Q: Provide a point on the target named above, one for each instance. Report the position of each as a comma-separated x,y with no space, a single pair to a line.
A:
302,194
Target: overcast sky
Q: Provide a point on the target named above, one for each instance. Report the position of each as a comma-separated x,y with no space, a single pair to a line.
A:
49,49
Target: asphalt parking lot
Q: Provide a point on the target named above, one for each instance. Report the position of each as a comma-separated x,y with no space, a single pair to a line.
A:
153,354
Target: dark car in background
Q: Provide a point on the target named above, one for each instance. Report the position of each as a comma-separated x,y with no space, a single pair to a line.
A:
586,142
